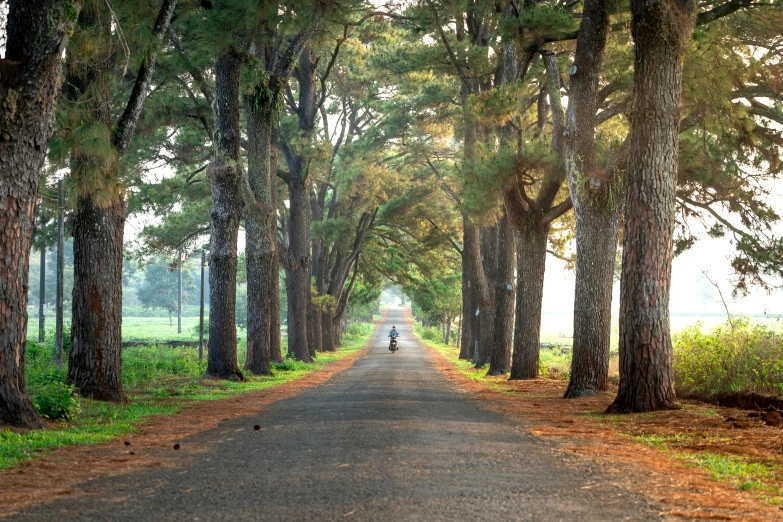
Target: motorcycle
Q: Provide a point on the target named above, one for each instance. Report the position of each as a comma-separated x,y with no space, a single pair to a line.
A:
393,344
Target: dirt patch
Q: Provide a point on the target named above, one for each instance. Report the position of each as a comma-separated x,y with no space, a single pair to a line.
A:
58,473
581,429
743,400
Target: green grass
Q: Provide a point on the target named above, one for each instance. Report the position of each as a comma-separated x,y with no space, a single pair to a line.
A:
737,470
149,373
740,471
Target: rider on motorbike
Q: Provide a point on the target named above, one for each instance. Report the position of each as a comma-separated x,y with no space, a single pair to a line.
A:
393,335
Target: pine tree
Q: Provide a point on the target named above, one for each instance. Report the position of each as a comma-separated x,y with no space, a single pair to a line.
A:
36,32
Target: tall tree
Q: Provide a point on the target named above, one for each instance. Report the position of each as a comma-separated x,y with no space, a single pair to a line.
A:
661,30
36,32
264,103
224,173
596,196
95,361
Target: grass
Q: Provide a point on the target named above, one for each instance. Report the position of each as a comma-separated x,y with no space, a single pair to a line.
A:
149,373
738,470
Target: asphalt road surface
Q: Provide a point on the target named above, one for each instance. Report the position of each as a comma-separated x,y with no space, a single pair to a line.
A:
388,439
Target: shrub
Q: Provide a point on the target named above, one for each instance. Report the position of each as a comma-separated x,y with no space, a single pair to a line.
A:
747,357
56,400
196,328
358,329
431,334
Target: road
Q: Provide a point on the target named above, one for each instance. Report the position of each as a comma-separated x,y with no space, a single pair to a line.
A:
389,439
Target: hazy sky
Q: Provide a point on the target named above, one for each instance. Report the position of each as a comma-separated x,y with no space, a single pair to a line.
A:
690,293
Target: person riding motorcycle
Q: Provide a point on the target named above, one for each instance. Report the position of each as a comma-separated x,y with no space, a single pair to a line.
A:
393,338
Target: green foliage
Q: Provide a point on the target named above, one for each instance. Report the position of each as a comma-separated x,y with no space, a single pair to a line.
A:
747,357
56,401
161,286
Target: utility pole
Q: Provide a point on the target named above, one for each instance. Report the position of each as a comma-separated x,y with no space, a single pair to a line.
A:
58,343
201,311
179,293
42,296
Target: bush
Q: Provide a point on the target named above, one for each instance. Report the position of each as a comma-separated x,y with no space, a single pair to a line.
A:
56,400
747,357
431,334
358,329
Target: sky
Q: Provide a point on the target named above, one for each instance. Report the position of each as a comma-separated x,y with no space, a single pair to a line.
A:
690,292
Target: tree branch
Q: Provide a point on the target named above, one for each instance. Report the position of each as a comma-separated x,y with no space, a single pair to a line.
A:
130,118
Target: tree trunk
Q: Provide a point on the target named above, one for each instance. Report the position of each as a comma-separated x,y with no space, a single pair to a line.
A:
298,282
314,329
224,175
35,32
531,262
95,362
179,293
275,336
99,222
489,251
503,329
261,235
467,311
201,311
327,332
660,31
597,215
596,246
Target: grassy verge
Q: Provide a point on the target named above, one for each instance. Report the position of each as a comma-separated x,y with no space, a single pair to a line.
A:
738,470
158,380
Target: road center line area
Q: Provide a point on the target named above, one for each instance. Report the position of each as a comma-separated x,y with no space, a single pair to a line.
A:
388,439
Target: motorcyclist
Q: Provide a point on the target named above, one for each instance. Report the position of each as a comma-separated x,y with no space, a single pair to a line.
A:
393,335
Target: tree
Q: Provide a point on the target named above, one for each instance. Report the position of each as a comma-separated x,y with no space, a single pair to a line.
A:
36,32
263,101
160,287
94,146
225,174
661,31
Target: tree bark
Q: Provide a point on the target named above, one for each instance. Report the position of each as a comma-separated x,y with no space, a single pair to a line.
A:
597,214
95,362
36,32
489,253
531,262
42,297
468,306
273,283
224,174
261,234
660,31
596,246
298,280
179,293
201,311
500,361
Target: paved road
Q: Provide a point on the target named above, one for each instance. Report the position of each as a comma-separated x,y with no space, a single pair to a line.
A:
388,439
